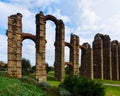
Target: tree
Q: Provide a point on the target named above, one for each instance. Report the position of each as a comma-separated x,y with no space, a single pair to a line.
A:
3,66
49,68
26,66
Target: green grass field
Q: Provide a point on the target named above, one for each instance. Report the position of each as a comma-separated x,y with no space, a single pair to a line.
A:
15,86
110,90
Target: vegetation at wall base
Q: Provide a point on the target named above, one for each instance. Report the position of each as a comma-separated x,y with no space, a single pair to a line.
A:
26,86
14,87
78,86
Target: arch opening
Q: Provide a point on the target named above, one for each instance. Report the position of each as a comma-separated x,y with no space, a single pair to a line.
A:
68,65
50,48
28,57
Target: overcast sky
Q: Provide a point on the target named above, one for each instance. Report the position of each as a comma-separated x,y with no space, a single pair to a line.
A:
84,18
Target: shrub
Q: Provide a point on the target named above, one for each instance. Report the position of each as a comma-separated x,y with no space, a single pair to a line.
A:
51,91
63,92
78,86
28,80
43,85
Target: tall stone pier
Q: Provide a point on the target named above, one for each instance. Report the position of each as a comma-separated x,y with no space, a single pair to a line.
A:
107,64
14,34
74,53
98,56
86,69
115,63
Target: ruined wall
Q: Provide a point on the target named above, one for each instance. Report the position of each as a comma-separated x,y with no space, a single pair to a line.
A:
101,61
59,51
40,47
106,56
98,56
15,38
115,63
14,34
86,69
119,59
74,53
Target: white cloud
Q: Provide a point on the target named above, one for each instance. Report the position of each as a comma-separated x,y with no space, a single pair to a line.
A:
58,15
81,17
34,4
28,51
3,48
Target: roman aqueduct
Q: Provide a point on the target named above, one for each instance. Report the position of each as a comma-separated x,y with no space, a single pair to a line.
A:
101,61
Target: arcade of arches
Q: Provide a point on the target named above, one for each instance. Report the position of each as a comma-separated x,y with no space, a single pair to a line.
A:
16,36
101,61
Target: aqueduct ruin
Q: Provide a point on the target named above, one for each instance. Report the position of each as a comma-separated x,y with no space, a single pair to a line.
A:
100,61
16,36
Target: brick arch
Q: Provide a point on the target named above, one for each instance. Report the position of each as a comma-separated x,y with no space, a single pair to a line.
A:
99,36
28,36
69,64
67,44
115,42
52,18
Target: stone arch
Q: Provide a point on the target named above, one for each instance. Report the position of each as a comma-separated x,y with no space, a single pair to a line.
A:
28,36
99,36
67,44
52,18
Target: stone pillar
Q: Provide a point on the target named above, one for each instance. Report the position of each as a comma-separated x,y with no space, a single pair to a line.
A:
98,57
115,66
59,51
86,69
74,53
107,65
119,59
14,34
40,47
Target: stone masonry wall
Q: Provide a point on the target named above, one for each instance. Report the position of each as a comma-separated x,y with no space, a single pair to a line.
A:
86,69
101,61
74,53
14,34
98,56
115,63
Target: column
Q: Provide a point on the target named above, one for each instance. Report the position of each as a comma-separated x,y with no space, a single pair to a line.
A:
98,57
59,51
86,69
74,53
40,47
14,34
115,65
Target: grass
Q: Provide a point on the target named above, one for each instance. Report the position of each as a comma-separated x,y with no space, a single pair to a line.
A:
108,81
51,79
14,87
110,90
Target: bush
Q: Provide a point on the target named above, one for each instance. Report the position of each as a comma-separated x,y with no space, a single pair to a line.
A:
28,80
63,92
78,86
43,85
51,91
